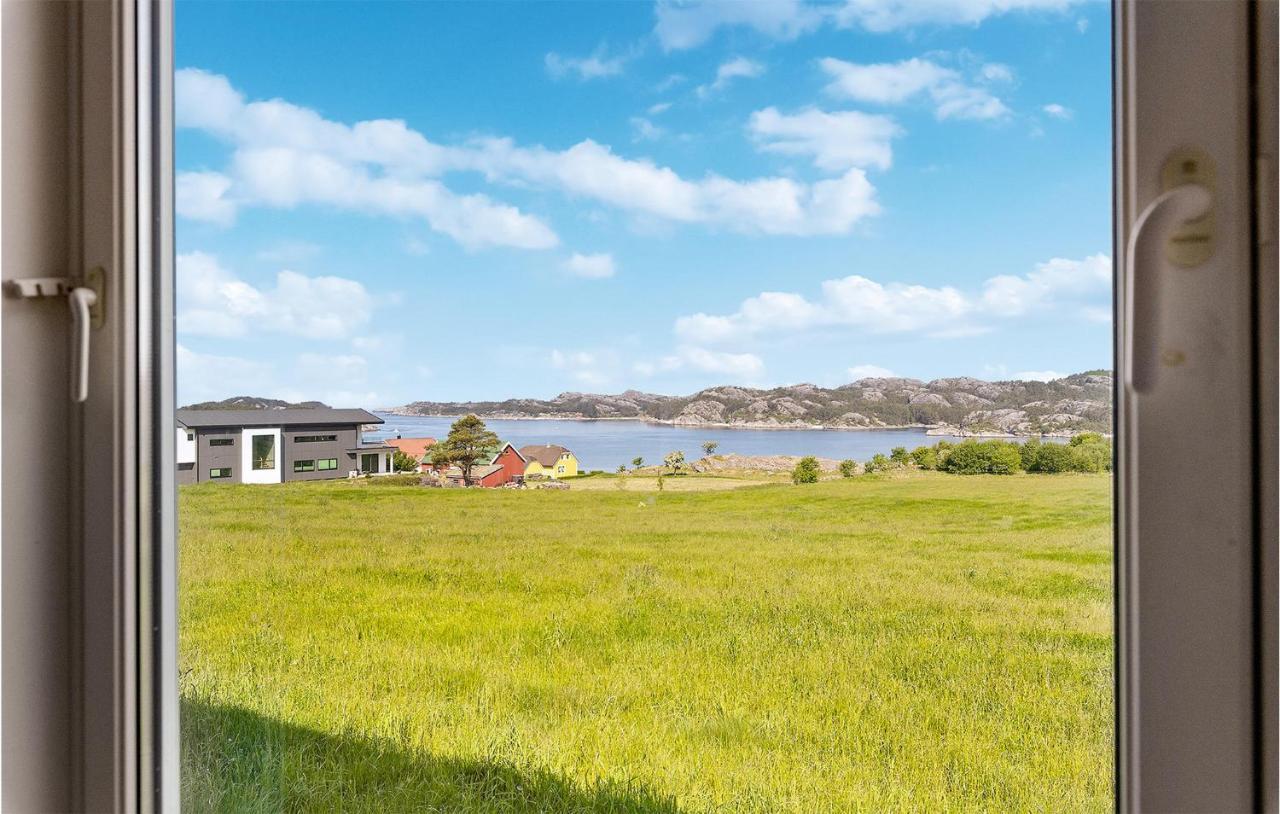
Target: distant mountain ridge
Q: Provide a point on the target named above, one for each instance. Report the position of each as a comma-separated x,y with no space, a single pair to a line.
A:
255,403
963,406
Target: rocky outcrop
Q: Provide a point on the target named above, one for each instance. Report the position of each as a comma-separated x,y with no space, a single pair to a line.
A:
961,405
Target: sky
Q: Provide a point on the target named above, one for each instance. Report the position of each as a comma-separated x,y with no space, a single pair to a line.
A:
386,202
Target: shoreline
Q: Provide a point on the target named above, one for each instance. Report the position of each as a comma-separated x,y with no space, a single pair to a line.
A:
928,429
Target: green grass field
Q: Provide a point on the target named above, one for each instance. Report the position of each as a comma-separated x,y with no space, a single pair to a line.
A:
915,643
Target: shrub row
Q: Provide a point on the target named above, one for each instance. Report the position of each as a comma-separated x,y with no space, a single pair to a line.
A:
1086,452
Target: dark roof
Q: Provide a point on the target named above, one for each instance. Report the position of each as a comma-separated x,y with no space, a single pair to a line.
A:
545,454
273,418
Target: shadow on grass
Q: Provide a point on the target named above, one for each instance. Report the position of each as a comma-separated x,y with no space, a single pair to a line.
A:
235,760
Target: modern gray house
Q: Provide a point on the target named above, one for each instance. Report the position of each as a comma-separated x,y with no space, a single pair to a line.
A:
272,446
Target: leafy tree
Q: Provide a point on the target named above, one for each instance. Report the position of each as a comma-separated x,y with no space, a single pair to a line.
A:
400,462
468,441
674,461
925,457
806,470
848,468
943,449
899,456
637,462
709,448
622,469
1052,458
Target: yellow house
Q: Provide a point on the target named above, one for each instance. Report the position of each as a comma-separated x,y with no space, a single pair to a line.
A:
549,461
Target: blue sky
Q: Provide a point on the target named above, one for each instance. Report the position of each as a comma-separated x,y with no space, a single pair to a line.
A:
382,202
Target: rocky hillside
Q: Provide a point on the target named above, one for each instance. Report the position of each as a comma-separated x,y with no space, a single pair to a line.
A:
960,405
254,403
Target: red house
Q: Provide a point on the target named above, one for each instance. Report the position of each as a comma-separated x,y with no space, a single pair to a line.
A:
506,466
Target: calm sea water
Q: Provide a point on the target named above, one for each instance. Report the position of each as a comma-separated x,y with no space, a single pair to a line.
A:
608,444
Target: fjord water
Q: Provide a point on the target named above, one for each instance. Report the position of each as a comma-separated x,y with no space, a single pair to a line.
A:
608,444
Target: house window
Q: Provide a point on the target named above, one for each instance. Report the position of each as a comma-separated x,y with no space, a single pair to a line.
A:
221,442
326,464
369,462
312,439
221,472
560,470
304,466
186,467
264,452
191,436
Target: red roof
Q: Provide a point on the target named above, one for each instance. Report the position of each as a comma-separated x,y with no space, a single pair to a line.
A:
413,447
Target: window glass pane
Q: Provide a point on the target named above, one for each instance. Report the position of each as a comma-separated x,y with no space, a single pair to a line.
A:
222,472
264,452
756,355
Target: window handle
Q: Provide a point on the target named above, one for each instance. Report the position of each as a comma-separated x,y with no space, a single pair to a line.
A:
84,297
81,299
1144,259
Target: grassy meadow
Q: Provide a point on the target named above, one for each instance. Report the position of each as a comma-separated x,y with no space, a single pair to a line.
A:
912,642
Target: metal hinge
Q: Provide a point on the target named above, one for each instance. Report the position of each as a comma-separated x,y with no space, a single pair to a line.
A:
85,298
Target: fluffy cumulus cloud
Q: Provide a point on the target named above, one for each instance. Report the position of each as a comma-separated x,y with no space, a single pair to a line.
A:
286,156
729,72
208,377
743,367
1058,111
891,83
596,66
870,372
1078,287
683,24
834,141
213,301
590,266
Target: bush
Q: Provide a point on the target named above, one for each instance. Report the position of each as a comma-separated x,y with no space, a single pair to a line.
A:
1030,450
401,462
806,470
878,463
848,468
1087,452
899,456
925,457
984,458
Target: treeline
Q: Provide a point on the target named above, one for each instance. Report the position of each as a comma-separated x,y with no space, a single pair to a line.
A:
1086,452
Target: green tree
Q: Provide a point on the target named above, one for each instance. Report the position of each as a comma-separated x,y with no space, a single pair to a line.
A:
925,457
400,462
468,441
622,469
848,468
709,448
1029,453
637,462
878,463
899,456
674,461
984,458
806,470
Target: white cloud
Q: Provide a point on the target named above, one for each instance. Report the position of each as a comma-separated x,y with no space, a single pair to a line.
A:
591,368
897,82
736,68
591,266
208,377
1058,282
996,72
739,366
660,107
683,25
870,372
595,66
202,196
766,205
891,15
1039,375
836,141
287,156
646,130
686,25
212,301
1057,111
1076,287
